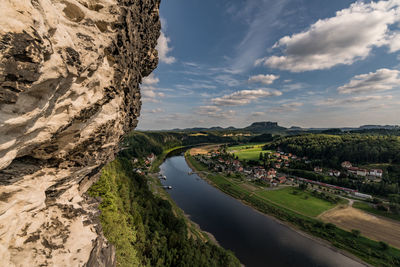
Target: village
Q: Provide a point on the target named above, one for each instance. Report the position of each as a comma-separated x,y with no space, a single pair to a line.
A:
270,171
270,174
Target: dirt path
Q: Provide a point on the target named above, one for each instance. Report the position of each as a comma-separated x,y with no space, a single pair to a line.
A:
371,226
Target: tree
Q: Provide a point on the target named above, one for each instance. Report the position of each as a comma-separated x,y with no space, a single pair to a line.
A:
384,245
303,186
355,232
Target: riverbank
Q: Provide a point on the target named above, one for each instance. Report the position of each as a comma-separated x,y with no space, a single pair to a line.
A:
330,235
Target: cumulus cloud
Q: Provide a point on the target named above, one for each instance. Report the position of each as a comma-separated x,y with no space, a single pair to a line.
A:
264,79
150,80
381,80
394,43
353,100
163,49
244,97
149,89
343,39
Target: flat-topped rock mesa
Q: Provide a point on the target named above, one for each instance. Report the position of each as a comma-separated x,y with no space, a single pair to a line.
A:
69,90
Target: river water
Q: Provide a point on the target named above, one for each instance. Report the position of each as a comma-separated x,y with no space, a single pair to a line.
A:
256,239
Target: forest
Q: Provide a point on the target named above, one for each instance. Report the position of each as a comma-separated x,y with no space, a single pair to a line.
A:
140,144
334,149
143,227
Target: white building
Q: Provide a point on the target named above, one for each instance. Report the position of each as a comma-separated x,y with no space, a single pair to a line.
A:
376,172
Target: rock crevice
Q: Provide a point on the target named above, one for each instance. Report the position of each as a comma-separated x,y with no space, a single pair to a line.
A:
69,90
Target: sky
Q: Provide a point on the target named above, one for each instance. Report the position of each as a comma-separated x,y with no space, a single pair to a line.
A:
307,63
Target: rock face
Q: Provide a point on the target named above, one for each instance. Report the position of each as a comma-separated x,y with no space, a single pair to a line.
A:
69,89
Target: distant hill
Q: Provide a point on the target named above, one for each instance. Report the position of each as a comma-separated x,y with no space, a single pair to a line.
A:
275,128
265,126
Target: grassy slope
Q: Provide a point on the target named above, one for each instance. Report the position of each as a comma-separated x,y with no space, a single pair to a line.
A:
245,153
365,207
155,167
365,248
304,202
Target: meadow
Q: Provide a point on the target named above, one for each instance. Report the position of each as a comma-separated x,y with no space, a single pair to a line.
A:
248,151
301,201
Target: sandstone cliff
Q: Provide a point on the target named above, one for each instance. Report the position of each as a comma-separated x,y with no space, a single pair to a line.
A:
69,76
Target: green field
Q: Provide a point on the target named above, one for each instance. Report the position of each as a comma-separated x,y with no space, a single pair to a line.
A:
247,152
303,202
302,218
365,207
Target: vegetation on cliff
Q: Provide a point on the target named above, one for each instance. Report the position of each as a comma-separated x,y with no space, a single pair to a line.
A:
142,226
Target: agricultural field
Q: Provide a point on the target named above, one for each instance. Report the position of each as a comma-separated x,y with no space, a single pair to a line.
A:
303,202
203,149
366,207
371,226
247,152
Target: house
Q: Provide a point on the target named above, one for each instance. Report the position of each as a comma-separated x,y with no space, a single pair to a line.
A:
362,172
352,170
318,169
282,179
364,196
151,157
346,164
285,157
277,165
236,163
376,172
271,173
336,173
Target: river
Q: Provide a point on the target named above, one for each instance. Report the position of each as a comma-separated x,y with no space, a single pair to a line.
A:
256,239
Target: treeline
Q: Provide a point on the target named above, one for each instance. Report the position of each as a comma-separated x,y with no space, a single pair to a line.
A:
140,144
334,149
143,227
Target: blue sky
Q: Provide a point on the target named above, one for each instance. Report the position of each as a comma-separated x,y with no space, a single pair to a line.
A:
309,63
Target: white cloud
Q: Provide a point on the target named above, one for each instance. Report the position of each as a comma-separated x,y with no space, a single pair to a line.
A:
150,80
149,89
381,80
352,100
394,43
163,49
343,39
264,79
244,97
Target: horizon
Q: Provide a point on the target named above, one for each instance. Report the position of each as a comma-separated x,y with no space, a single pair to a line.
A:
321,64
280,125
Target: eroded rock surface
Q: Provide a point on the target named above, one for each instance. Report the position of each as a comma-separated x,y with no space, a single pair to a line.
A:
69,75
